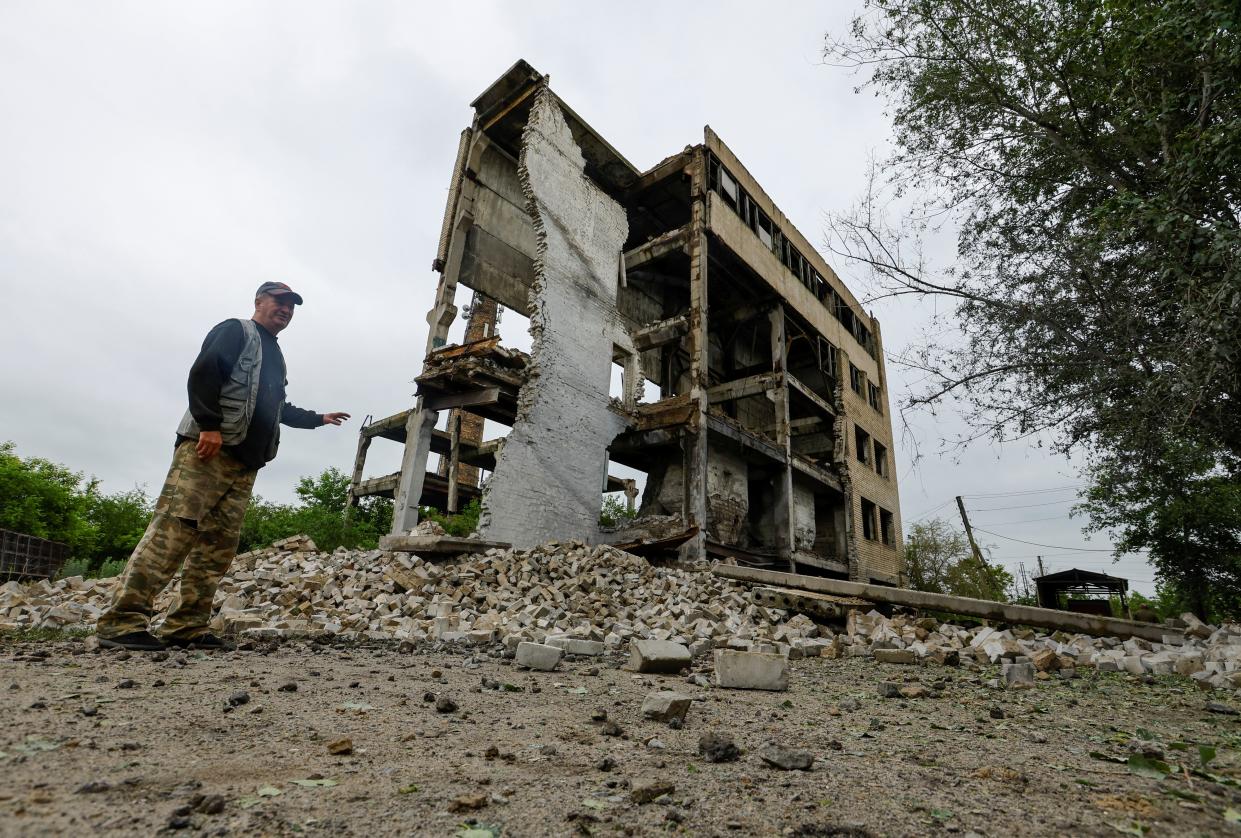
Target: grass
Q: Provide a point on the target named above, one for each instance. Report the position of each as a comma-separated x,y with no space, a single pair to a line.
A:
12,637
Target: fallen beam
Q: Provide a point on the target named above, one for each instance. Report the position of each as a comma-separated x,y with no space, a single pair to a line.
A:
823,606
438,545
986,609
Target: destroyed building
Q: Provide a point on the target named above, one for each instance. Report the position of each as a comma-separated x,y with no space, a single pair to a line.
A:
753,393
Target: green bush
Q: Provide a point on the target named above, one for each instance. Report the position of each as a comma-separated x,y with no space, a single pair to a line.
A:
47,500
320,514
614,512
460,525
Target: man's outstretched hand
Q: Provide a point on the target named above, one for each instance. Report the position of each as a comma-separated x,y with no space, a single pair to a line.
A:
209,443
334,418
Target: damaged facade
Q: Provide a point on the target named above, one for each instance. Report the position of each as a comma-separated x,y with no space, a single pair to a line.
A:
764,432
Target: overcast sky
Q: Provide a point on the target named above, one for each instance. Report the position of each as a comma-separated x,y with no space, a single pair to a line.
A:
159,161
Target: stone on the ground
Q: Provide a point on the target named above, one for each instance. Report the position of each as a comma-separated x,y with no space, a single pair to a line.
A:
718,747
538,656
658,656
751,670
1018,675
340,747
578,646
787,759
645,790
1045,660
1195,627
895,656
666,705
467,803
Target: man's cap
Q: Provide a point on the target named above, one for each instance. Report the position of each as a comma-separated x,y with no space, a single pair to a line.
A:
278,289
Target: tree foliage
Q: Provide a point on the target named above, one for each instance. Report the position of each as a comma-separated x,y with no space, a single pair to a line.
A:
615,511
42,498
1185,510
1089,155
461,524
938,559
48,500
320,514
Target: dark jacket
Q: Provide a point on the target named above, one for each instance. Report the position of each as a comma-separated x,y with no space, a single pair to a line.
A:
215,362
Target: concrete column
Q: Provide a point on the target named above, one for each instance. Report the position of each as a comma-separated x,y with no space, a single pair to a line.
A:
359,466
695,445
782,509
631,495
413,468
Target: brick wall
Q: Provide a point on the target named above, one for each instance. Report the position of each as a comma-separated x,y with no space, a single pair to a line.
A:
875,558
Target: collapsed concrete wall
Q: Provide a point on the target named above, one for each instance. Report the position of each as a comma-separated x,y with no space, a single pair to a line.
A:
728,497
550,473
803,517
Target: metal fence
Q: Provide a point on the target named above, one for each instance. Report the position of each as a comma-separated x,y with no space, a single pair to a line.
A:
26,557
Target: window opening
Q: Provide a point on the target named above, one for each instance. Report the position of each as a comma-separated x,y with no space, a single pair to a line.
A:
861,441
868,520
881,459
856,379
873,396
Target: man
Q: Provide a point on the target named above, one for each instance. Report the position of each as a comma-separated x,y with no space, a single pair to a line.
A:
231,430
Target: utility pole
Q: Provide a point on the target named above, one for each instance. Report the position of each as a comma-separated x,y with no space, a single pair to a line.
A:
1041,572
969,534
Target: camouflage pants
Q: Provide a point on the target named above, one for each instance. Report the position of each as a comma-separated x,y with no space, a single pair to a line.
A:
197,523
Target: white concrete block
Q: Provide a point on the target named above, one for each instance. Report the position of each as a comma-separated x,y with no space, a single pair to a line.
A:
538,656
658,656
751,670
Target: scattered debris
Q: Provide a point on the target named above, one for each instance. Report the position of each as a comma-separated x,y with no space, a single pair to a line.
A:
787,759
666,706
646,790
718,747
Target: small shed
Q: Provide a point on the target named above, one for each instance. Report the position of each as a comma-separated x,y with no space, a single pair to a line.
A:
1056,590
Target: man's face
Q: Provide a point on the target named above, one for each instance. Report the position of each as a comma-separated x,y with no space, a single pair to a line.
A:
273,312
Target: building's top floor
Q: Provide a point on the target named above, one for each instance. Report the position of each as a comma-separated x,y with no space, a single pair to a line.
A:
658,200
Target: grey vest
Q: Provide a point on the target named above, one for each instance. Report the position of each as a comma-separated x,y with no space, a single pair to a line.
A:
239,394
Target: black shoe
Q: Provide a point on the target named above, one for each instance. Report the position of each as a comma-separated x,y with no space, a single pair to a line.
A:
135,641
207,640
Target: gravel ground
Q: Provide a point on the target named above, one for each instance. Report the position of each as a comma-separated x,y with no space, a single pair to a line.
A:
119,743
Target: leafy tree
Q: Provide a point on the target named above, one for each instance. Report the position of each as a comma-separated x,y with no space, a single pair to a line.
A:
1088,153
615,512
48,500
938,559
117,522
43,499
320,514
931,549
1185,509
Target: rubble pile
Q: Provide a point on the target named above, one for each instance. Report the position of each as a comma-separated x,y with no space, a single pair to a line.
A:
598,594
570,598
1210,656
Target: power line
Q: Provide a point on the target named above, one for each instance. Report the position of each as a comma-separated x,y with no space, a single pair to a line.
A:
1049,546
1028,520
929,511
1022,506
1025,492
